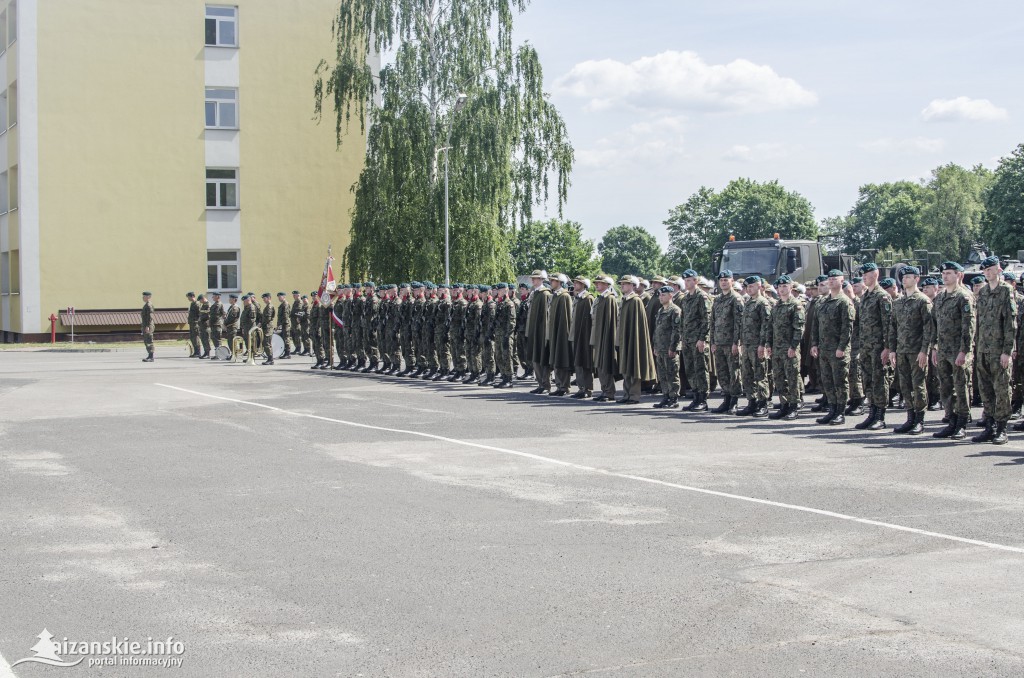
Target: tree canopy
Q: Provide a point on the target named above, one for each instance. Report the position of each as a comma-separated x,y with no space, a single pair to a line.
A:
1003,222
554,245
630,250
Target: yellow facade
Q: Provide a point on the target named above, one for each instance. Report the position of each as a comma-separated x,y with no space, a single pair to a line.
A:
123,151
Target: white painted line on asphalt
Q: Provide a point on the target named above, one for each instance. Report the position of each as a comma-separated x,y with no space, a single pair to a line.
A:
614,474
5,669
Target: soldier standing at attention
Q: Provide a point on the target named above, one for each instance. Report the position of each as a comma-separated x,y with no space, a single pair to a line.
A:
247,319
603,332
636,362
193,324
953,352
471,332
997,330
231,318
665,345
782,346
1017,376
832,348
406,329
314,335
418,308
910,338
442,332
304,333
268,319
346,338
371,311
504,332
929,286
559,337
295,315
695,336
204,325
726,327
873,320
537,332
582,325
216,323
456,333
326,309
856,404
757,314
284,323
148,326
522,313
487,337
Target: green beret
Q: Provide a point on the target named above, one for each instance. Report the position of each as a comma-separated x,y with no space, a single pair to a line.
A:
857,279
887,283
870,266
989,261
784,280
500,286
835,273
266,295
280,294
296,292
820,279
1010,276
951,266
484,288
910,270
147,294
403,286
752,280
190,294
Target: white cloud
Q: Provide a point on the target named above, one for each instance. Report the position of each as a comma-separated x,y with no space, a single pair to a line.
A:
674,80
650,142
912,145
963,109
756,153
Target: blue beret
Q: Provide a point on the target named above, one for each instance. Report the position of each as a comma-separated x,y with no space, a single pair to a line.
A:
752,279
835,273
1010,275
951,266
820,279
870,266
910,270
887,283
666,290
724,273
690,273
989,261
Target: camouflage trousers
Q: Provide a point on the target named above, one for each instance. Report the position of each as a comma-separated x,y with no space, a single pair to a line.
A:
514,353
954,384
344,345
459,362
503,356
521,357
727,366
229,338
193,339
370,346
835,377
913,381
994,383
408,348
754,372
318,346
473,356
1018,376
425,355
877,376
442,348
668,374
296,336
487,356
856,383
147,341
697,365
304,337
786,376
352,346
215,333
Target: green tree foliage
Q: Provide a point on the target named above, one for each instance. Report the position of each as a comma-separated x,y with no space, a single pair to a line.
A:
887,215
837,233
554,245
954,207
630,250
1003,223
509,146
745,208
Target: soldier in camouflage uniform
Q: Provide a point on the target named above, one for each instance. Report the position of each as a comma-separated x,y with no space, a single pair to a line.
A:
665,344
1017,376
726,328
307,338
514,298
314,322
295,314
695,336
393,329
327,335
248,319
429,351
268,320
231,319
522,313
471,332
193,324
204,325
504,328
457,334
487,338
873,326
368,327
148,326
345,306
782,347
419,304
216,324
284,323
856,405
442,333
997,333
407,335
910,337
953,350
832,348
757,314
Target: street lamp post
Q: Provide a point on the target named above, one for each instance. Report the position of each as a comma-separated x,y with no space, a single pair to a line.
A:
460,103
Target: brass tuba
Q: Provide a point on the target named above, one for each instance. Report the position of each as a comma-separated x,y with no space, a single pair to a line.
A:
237,349
256,338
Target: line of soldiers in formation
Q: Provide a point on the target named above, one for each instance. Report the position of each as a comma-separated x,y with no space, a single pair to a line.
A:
930,342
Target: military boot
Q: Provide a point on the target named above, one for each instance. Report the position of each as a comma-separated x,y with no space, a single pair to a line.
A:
506,382
319,362
855,408
761,410
441,374
1016,407
949,429
724,407
148,358
872,414
822,405
833,412
748,410
999,436
455,376
988,434
960,430
907,425
702,402
663,404
839,419
918,426
287,353
791,413
1017,427
471,377
781,412
487,379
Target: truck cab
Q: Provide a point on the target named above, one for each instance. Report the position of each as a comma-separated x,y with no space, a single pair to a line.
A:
771,258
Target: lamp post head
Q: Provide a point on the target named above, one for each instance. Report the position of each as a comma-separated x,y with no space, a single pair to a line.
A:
460,102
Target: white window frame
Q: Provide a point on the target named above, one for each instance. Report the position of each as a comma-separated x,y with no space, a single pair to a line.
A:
237,263
12,23
219,19
219,182
218,102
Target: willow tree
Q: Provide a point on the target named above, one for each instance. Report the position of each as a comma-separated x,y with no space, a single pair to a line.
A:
509,149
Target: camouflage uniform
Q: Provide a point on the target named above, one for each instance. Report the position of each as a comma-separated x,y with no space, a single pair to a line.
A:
268,318
785,332
727,325
834,333
369,327
247,320
216,324
696,326
429,351
522,313
148,327
910,334
408,334
955,327
442,334
456,334
345,338
997,329
504,328
756,319
666,339
487,337
231,318
393,332
856,383
419,306
204,326
471,330
295,316
873,319
314,322
304,334
284,323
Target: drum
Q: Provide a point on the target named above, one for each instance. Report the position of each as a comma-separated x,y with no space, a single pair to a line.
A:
223,353
277,345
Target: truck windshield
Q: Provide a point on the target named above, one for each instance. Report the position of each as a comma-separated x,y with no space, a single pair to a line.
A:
744,261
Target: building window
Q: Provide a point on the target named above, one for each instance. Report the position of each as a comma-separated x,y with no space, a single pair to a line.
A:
3,112
221,26
5,194
3,31
5,273
12,23
222,188
222,271
13,190
221,108
12,105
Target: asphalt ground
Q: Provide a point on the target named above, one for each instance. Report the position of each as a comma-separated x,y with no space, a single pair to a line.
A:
280,521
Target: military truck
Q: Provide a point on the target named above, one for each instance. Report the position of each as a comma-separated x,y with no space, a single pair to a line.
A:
770,258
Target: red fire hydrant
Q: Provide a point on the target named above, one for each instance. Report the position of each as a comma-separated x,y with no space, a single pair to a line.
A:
53,329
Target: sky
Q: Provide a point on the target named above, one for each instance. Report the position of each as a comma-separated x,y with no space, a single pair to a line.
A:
661,98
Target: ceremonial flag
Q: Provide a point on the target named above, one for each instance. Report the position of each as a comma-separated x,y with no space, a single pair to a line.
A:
327,282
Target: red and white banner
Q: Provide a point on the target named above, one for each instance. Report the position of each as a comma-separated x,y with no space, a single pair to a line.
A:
327,282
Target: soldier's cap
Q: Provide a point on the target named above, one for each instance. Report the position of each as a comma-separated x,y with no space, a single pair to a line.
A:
644,282
951,266
281,294
202,297
975,279
988,262
675,280
665,289
304,296
296,292
582,280
523,285
737,286
266,295
233,296
605,279
887,283
416,285
929,281
313,293
355,286
539,274
784,280
404,286
690,273
724,273
820,279
659,279
443,286
501,286
560,277
857,279
910,270
215,294
835,273
190,294
147,294
870,266
484,288
631,279
846,283
705,283
369,284
752,280
1010,275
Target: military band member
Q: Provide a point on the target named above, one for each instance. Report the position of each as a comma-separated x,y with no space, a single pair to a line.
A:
296,314
231,318
216,323
665,345
148,326
248,319
603,334
726,328
997,330
204,325
268,321
782,347
582,325
284,323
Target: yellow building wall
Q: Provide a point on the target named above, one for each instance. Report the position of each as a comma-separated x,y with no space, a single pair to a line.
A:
121,155
294,179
